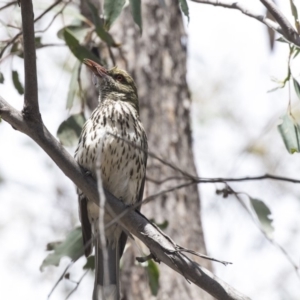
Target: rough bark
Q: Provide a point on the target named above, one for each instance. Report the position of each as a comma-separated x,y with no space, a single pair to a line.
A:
157,61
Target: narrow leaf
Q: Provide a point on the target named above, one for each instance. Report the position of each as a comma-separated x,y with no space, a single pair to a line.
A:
101,32
17,84
1,77
153,273
290,133
112,9
73,86
263,214
136,12
79,51
78,31
69,131
71,247
297,87
184,8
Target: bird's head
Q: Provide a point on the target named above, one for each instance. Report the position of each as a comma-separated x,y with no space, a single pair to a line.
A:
115,84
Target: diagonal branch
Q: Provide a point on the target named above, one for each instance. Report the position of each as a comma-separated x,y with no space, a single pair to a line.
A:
160,245
289,32
281,25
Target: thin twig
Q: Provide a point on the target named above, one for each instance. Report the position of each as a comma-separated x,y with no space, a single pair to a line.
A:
8,5
101,224
60,279
289,32
238,6
21,32
77,284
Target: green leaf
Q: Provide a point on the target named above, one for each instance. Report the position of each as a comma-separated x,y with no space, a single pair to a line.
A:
71,247
282,39
153,273
90,263
79,51
1,77
69,131
263,214
79,31
290,133
73,86
17,84
112,9
101,32
38,42
137,12
294,9
184,8
297,87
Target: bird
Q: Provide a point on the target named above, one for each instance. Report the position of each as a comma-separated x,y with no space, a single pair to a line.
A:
115,135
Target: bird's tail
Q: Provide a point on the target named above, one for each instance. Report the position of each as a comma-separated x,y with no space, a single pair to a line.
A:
106,285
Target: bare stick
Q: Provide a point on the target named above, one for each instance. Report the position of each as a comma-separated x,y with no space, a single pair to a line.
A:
31,105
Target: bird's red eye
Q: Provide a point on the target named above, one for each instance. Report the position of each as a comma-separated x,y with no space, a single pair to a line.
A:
119,77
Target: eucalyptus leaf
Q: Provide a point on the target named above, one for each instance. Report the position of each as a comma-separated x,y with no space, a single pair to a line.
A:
290,133
71,247
1,77
17,84
101,32
263,214
153,274
112,9
79,31
69,131
184,8
137,12
79,51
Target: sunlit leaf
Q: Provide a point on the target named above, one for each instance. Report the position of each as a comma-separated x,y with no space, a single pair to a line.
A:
136,12
153,273
101,32
69,131
90,263
1,77
290,133
71,247
73,86
17,84
263,214
112,9
79,51
184,8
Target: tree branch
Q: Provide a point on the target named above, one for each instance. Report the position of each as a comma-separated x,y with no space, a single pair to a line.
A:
281,25
159,244
289,32
31,104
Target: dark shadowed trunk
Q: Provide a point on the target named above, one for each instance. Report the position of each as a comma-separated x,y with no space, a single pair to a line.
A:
157,61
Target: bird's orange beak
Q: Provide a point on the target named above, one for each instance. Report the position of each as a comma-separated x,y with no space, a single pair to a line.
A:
97,69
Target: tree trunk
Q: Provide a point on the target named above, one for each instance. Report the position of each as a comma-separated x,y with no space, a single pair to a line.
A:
157,61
